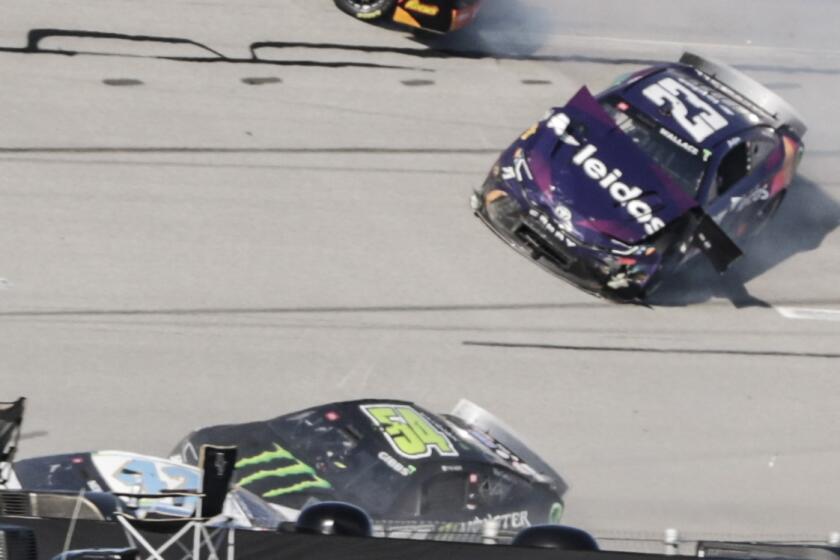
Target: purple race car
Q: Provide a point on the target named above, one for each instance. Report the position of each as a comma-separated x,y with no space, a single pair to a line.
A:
613,192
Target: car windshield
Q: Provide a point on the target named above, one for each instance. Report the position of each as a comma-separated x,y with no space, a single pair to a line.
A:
682,161
57,472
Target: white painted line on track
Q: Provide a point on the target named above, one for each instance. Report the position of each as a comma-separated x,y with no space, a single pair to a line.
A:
802,313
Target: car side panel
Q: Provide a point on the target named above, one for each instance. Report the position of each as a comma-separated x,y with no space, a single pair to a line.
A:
435,15
739,210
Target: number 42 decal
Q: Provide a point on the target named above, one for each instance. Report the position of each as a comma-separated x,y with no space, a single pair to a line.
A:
700,126
410,433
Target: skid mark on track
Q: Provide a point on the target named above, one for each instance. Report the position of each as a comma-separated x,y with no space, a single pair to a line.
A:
256,81
442,50
677,351
205,54
122,82
418,83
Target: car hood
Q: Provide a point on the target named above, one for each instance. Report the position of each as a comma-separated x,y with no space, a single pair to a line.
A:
581,166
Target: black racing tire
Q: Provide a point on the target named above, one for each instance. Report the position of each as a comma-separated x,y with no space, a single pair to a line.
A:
555,536
334,518
368,10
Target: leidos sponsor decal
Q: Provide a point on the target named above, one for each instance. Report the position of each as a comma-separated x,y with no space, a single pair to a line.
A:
629,197
597,170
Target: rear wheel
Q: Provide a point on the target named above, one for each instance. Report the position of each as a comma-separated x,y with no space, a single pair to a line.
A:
764,216
366,9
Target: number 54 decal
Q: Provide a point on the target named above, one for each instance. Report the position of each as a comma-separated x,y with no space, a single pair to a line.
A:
410,433
700,126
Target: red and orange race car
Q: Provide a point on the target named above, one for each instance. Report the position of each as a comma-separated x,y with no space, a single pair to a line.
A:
441,16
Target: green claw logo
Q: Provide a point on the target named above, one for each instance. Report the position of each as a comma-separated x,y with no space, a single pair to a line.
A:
293,468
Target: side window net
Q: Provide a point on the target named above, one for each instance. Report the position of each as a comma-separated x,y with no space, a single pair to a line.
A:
733,168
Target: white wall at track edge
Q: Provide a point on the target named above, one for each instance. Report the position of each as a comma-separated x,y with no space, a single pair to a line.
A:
145,293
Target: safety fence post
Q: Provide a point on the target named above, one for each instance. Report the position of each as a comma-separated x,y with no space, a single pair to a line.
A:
489,531
672,542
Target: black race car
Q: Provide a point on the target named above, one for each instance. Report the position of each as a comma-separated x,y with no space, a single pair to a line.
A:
417,474
440,16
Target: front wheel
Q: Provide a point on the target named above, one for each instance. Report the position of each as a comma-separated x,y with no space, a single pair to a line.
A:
366,9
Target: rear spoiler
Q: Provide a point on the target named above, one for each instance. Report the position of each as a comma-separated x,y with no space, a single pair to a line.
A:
474,415
11,419
747,91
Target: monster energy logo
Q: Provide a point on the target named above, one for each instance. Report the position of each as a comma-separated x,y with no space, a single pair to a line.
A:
293,467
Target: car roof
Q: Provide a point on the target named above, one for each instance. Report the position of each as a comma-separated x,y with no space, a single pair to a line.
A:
468,451
739,118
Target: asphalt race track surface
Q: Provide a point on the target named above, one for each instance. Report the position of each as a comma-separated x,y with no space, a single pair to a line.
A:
264,206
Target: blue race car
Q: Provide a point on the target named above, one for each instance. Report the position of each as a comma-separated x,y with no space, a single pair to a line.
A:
616,191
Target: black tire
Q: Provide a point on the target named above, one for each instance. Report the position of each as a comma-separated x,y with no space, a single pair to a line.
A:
555,536
366,9
334,518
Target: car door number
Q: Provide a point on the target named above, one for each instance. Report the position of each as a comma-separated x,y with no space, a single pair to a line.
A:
410,433
701,126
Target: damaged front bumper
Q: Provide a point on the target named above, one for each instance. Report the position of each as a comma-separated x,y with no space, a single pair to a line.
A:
620,273
533,233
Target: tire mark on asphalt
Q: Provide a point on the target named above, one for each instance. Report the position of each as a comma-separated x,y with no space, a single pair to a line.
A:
418,83
258,81
122,82
36,36
687,351
443,52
